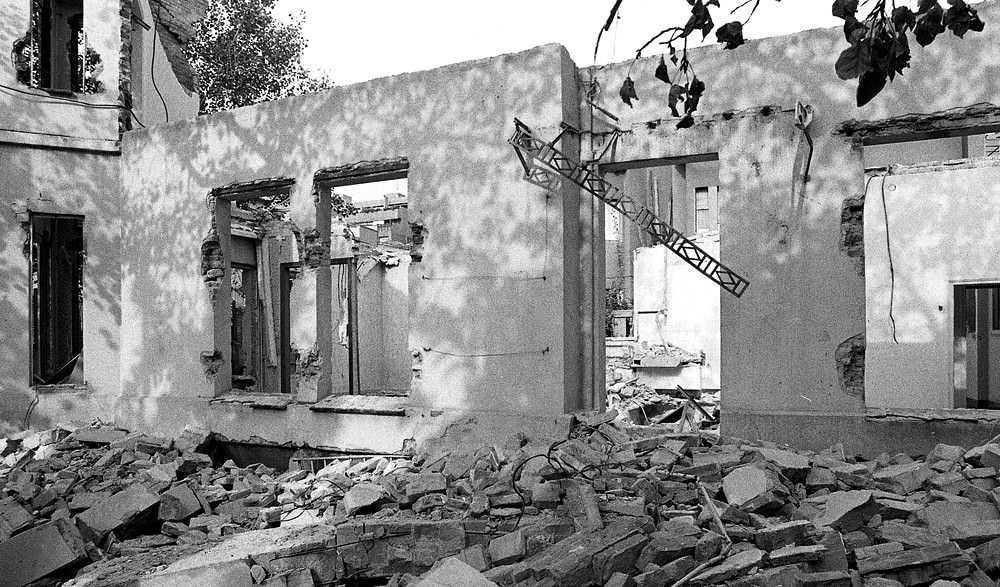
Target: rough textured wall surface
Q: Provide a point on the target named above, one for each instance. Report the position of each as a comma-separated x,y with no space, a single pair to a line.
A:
176,21
799,248
477,296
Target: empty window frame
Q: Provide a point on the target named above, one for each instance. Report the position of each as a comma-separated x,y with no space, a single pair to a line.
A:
706,208
251,320
54,55
56,325
369,324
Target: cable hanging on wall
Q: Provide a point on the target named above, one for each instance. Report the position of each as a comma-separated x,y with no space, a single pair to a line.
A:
542,352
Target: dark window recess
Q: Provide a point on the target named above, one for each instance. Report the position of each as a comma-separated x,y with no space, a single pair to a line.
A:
57,257
54,55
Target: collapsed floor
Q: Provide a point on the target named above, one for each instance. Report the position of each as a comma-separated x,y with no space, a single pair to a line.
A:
601,503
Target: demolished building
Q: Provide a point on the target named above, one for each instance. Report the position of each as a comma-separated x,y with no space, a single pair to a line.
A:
194,271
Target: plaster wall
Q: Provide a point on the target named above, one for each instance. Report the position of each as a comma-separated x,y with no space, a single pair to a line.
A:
676,304
157,96
60,182
475,299
806,297
38,112
938,223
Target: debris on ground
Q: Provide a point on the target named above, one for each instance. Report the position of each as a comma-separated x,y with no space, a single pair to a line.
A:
608,504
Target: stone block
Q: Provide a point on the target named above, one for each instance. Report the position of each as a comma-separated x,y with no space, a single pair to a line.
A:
360,497
733,566
903,478
945,452
792,465
39,552
826,579
820,478
179,503
618,557
910,536
667,574
990,456
425,483
891,562
664,547
581,501
847,510
708,546
546,495
102,435
192,439
790,555
13,518
877,550
620,580
974,533
753,489
123,513
796,532
508,549
475,557
941,515
452,572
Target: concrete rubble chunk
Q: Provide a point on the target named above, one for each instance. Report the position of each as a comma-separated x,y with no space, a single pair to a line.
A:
847,510
753,489
909,558
361,496
39,552
119,513
903,478
178,503
792,533
454,573
733,566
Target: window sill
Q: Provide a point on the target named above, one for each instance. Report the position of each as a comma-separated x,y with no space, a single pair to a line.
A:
61,388
371,405
260,401
942,414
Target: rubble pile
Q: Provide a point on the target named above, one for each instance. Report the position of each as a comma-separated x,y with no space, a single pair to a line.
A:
604,503
638,403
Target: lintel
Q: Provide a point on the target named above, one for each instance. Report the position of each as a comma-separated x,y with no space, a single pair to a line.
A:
956,122
363,172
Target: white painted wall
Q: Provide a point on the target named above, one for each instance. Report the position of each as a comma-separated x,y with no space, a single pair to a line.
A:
941,231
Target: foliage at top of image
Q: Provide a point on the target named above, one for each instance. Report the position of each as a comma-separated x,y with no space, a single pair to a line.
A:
243,55
879,47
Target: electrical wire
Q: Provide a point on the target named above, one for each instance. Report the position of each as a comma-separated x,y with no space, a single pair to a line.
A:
892,270
53,99
152,65
544,351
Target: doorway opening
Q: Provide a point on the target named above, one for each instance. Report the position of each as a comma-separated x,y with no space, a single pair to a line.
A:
663,328
977,346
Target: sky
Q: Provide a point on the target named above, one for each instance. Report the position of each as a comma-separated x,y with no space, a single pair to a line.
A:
358,41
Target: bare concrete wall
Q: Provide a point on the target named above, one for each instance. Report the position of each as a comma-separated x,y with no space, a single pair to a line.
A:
780,341
937,224
46,115
60,182
475,298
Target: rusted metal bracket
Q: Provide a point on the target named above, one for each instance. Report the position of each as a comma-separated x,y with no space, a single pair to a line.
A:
531,149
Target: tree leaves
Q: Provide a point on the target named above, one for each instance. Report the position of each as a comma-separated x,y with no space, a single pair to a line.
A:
674,97
854,61
662,71
243,56
731,34
627,92
879,45
845,8
930,25
871,83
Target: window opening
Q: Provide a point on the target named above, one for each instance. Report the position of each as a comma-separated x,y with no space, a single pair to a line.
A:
57,257
259,244
369,289
54,55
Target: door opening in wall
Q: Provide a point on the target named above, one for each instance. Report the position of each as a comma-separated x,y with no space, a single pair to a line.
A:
977,346
662,316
